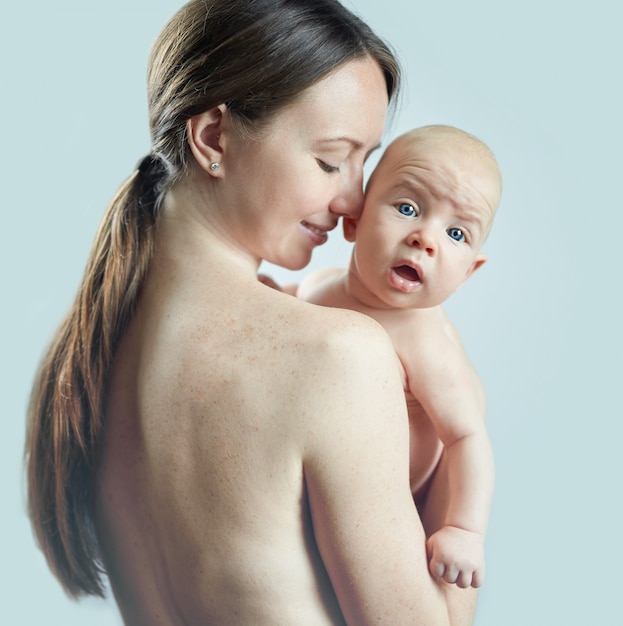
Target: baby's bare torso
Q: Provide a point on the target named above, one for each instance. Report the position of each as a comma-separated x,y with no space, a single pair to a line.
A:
327,288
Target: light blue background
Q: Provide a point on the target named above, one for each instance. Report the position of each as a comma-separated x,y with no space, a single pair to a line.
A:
540,81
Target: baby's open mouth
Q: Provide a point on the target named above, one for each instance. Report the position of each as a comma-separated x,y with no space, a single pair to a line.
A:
407,272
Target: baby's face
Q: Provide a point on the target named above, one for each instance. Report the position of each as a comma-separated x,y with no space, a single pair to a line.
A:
427,213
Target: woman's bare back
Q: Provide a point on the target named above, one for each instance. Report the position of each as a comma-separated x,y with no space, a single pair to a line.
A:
204,515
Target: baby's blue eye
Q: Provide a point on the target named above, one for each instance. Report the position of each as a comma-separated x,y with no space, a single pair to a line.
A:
456,234
407,209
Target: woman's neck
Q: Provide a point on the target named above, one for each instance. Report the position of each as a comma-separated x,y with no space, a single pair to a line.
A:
190,227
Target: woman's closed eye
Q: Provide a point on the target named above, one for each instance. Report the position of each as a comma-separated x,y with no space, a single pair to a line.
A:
326,167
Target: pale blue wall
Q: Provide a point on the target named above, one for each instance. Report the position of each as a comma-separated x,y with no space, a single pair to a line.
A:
540,82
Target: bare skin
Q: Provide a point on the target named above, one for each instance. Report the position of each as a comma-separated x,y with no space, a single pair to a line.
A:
428,208
209,519
255,469
420,336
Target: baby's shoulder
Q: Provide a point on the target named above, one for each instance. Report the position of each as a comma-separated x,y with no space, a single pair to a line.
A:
415,328
320,284
428,339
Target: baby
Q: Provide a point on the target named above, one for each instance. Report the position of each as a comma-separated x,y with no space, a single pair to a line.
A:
429,206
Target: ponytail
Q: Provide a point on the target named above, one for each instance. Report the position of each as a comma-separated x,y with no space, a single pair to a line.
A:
66,407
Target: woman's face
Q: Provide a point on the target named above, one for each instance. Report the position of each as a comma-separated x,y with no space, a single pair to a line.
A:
287,190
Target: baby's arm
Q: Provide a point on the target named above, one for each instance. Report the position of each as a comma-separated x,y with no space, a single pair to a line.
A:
442,379
313,286
269,282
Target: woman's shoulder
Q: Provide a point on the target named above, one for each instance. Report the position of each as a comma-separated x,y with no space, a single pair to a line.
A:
345,351
322,343
327,326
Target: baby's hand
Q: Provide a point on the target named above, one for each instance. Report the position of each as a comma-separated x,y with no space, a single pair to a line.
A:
457,556
269,282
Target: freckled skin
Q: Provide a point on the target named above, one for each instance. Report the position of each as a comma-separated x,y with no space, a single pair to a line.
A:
255,467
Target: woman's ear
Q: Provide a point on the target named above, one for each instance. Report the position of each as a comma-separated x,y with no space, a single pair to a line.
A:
203,132
350,227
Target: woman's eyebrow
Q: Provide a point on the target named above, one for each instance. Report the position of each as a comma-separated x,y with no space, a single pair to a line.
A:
353,143
356,144
369,152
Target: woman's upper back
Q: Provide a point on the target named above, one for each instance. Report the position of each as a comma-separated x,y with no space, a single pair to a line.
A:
202,510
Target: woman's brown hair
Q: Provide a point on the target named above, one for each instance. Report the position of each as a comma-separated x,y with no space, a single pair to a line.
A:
254,56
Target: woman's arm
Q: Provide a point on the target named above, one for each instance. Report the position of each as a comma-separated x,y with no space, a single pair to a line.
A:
357,476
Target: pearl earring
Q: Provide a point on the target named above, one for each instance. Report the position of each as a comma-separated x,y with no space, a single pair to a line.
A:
214,166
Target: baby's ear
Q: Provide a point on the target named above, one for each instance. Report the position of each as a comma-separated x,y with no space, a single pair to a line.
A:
350,226
479,261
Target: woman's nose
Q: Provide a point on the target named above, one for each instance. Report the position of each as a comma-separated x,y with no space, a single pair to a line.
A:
349,202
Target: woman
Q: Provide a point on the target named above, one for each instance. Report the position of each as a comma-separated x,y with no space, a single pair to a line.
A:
227,454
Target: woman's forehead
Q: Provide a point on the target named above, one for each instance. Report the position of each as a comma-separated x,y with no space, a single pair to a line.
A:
348,104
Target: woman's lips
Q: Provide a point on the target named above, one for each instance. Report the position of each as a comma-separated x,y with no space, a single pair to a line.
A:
317,234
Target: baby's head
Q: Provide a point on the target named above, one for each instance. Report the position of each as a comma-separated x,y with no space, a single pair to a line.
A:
429,207
454,159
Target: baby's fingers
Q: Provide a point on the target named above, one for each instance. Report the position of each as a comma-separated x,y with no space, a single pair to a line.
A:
451,574
478,577
464,579
437,568
470,578
443,571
